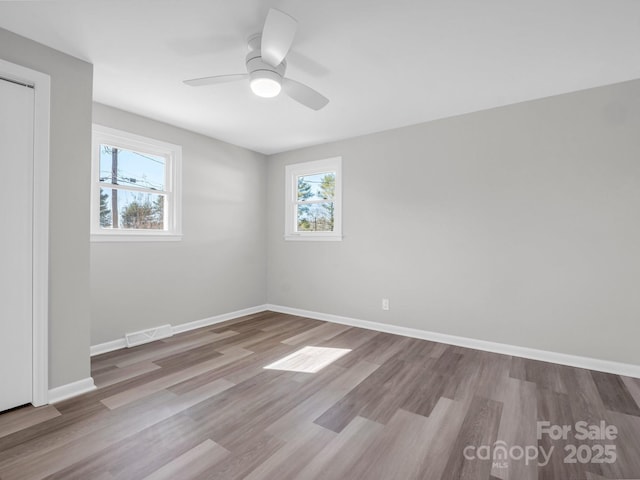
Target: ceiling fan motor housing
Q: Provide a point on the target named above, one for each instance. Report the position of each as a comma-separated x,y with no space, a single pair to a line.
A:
255,63
254,60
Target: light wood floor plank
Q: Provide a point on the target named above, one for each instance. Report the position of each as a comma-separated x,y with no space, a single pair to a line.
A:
517,428
25,417
317,334
118,375
445,423
243,460
398,451
142,391
339,456
192,463
480,427
287,462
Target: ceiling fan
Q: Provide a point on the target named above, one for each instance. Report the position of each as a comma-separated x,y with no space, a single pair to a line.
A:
266,64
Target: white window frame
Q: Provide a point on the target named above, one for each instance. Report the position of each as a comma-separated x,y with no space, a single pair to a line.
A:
292,172
173,190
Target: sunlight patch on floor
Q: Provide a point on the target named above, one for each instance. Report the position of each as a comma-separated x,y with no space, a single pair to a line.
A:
308,359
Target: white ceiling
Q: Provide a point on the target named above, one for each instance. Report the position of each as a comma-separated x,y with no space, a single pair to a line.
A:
383,63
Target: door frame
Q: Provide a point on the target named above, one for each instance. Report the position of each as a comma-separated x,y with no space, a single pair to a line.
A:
41,84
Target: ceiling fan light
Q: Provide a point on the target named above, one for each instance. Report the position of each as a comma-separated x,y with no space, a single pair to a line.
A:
265,83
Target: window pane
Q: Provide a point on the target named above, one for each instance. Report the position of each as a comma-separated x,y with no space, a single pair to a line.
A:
136,210
126,167
315,217
320,186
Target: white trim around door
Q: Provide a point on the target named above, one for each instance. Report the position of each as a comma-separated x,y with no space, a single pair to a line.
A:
41,83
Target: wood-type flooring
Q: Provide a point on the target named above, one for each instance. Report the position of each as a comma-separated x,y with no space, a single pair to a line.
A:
201,405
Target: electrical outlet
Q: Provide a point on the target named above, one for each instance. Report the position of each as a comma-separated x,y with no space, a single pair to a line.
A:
385,304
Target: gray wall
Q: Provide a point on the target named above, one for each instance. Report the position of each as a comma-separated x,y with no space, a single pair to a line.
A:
517,225
69,307
218,267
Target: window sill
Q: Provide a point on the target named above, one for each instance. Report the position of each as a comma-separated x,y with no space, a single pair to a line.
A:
301,237
135,237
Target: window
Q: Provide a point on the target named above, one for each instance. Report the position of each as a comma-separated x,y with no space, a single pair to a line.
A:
313,200
135,188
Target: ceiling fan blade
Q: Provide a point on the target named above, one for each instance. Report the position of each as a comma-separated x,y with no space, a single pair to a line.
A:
307,96
198,82
277,36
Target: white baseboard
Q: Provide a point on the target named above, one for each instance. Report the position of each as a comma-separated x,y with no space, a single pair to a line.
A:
107,346
505,349
184,327
205,322
71,390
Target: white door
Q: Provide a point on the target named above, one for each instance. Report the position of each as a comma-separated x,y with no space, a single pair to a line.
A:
16,243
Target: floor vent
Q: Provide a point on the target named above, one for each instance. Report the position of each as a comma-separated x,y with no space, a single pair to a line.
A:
149,335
